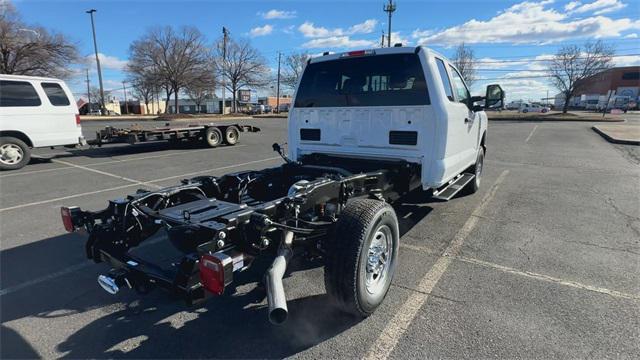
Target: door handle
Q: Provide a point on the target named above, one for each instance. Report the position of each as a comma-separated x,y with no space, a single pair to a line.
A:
467,120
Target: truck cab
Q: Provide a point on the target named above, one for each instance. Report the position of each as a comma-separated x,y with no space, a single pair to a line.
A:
401,103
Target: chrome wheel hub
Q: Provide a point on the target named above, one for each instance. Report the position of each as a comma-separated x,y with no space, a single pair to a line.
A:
378,259
10,154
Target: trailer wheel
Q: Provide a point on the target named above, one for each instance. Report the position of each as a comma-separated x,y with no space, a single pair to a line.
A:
362,257
213,137
14,153
231,135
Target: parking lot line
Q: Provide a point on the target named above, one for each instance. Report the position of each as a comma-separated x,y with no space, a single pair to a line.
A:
395,329
531,134
104,173
548,278
115,161
130,185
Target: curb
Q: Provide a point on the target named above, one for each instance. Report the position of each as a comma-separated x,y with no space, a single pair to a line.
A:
614,140
537,119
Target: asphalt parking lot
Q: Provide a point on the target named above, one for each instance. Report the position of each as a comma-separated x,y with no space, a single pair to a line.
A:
543,262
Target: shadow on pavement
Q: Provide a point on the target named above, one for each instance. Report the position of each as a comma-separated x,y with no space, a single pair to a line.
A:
231,326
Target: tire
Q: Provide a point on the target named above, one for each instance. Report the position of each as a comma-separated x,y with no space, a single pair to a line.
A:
349,277
525,111
477,169
14,153
213,137
231,135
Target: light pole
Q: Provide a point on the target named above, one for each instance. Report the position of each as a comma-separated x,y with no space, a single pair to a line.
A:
389,8
95,46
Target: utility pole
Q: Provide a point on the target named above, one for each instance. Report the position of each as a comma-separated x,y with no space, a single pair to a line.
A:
278,85
126,104
382,41
88,92
95,46
224,67
389,8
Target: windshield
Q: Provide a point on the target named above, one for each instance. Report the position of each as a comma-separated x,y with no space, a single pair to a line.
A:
382,80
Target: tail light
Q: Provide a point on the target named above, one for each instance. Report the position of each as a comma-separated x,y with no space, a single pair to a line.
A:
77,120
67,214
216,272
358,53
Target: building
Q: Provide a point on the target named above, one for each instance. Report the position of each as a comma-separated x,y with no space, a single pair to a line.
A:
188,106
273,100
620,81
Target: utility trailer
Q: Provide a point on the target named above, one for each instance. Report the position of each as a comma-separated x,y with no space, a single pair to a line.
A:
211,135
366,128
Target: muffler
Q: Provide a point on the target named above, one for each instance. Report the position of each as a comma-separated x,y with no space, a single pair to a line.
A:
273,280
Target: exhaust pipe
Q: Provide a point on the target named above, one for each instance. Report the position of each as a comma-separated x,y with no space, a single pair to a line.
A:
108,284
273,280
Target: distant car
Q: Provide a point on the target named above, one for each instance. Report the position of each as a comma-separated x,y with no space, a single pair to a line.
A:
268,109
35,112
284,107
112,113
514,105
525,108
95,113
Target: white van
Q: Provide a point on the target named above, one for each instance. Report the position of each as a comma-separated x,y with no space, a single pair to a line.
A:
35,112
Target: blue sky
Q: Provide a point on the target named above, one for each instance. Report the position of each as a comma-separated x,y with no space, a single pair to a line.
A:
509,37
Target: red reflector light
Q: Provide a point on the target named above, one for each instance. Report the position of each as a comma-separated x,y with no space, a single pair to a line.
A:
67,220
216,271
356,53
77,120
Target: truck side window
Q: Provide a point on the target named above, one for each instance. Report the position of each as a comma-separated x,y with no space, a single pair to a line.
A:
461,89
18,93
56,95
446,82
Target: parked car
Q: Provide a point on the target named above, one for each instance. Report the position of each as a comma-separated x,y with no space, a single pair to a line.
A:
268,109
36,112
284,107
514,105
330,199
95,113
526,107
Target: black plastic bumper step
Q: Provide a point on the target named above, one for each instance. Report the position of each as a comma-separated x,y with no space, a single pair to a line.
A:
452,188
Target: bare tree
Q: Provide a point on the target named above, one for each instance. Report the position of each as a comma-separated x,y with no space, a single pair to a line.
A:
243,67
175,57
201,88
573,63
32,50
465,61
293,66
143,89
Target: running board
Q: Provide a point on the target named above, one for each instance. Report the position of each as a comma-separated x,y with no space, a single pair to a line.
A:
446,192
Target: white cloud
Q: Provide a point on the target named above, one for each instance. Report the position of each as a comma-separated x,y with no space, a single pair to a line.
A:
289,29
308,29
527,22
261,30
631,60
631,36
397,38
337,42
278,14
366,27
598,7
106,61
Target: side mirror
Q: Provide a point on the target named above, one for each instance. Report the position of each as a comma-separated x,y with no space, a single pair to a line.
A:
276,147
494,98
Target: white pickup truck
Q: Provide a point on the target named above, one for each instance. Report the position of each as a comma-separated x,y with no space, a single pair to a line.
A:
366,128
35,112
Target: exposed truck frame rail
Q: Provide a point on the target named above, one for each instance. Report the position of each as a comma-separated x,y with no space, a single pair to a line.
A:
221,224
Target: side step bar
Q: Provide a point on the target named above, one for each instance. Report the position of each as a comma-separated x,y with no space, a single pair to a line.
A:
446,192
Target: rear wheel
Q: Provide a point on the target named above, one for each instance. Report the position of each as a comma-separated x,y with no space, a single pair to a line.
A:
213,137
362,256
231,135
14,153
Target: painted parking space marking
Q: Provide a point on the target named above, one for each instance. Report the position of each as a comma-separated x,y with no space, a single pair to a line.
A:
129,185
395,329
547,278
124,178
116,161
531,134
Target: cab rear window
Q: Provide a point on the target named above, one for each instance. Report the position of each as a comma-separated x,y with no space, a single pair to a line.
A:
56,95
379,80
18,93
